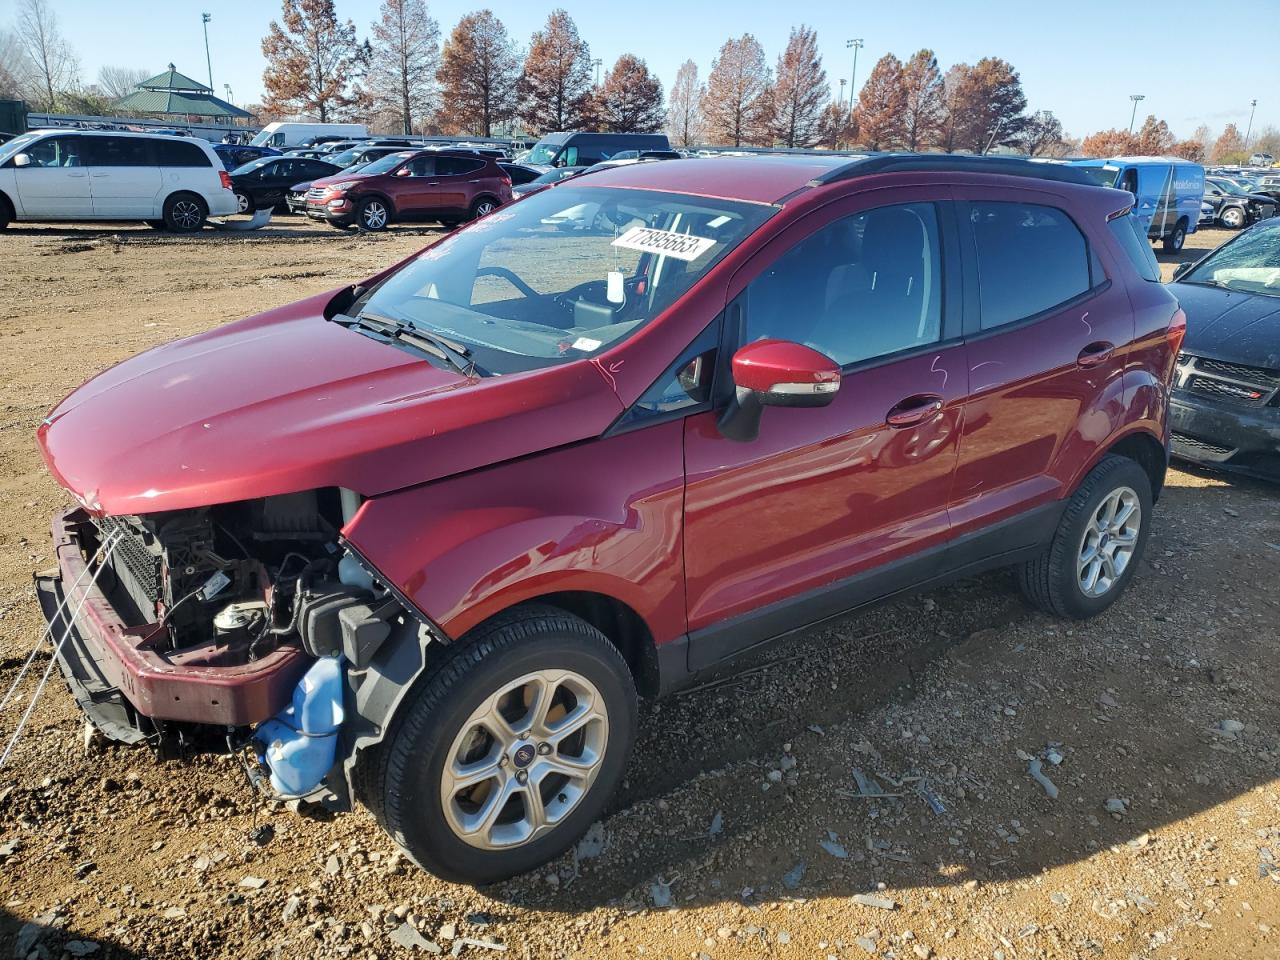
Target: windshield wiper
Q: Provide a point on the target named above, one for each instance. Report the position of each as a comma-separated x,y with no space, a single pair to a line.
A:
451,352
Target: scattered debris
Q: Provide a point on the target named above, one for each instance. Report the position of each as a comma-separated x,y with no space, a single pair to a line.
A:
791,879
1035,769
409,938
717,824
660,893
253,883
835,849
875,900
593,842
1116,806
462,942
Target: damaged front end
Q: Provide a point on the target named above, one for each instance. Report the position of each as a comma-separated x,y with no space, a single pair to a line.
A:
234,625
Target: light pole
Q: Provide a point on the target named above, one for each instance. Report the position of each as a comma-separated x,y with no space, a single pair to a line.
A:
597,63
1253,105
840,102
204,19
1136,98
855,46
227,88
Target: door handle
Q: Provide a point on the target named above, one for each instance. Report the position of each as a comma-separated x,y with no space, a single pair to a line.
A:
914,410
77,175
1095,353
98,176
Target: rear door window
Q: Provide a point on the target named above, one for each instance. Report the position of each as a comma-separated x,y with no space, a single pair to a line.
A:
456,166
1031,258
1131,235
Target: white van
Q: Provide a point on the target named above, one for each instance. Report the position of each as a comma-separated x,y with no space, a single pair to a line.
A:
173,182
282,136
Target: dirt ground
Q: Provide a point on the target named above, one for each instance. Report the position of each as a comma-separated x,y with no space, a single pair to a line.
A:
741,831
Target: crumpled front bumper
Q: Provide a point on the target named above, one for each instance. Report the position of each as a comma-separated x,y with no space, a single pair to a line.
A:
118,672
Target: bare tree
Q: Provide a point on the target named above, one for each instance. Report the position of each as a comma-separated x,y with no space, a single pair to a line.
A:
404,54
555,87
882,106
479,69
684,117
311,61
736,88
800,92
1042,133
15,70
923,95
53,64
117,82
630,99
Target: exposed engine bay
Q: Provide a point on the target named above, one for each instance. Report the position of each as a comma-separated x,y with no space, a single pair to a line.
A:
237,580
235,624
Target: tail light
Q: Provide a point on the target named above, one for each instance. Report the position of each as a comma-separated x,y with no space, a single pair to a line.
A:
1177,331
225,178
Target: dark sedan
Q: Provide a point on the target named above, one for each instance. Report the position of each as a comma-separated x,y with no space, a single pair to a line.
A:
235,155
548,179
264,183
1225,410
1234,207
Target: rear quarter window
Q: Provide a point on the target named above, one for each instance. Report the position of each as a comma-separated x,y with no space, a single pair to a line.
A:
175,153
1132,237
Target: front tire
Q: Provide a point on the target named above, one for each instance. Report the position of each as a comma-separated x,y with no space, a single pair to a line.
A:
1098,544
1173,243
185,213
373,214
509,750
483,207
1233,218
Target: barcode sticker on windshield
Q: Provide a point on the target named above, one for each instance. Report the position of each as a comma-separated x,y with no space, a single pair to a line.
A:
682,246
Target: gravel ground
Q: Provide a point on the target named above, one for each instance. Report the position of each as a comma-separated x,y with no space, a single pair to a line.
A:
861,790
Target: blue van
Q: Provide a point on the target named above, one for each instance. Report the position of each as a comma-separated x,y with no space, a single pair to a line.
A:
1166,193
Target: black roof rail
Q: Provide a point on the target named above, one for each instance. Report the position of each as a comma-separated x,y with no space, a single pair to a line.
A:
912,162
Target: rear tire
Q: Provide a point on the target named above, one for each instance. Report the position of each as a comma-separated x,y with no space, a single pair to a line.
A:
185,213
1096,549
1173,243
244,202
433,782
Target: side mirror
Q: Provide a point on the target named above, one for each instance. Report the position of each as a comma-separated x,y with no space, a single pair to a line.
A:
22,160
1183,268
776,373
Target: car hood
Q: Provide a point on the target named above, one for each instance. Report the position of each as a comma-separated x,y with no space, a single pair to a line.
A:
339,178
287,401
1230,325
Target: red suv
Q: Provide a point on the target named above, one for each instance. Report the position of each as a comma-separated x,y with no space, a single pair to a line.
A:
421,541
445,185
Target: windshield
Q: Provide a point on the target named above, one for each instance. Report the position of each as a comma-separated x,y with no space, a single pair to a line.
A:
1104,176
1228,187
543,153
556,175
384,164
16,145
263,138
564,273
251,166
1250,262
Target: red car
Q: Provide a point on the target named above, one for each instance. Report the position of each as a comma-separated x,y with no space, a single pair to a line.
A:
422,540
448,186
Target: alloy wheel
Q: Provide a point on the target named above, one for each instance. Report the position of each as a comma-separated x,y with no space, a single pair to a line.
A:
187,214
484,208
1109,542
524,759
242,202
375,215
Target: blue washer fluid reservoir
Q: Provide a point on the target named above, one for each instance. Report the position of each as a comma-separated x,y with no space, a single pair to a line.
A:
299,743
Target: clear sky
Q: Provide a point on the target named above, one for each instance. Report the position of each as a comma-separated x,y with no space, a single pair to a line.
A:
1080,60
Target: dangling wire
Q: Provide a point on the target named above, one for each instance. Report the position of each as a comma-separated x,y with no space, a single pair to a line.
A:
108,543
106,549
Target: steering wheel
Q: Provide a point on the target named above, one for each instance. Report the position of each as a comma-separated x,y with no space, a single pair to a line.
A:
510,277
